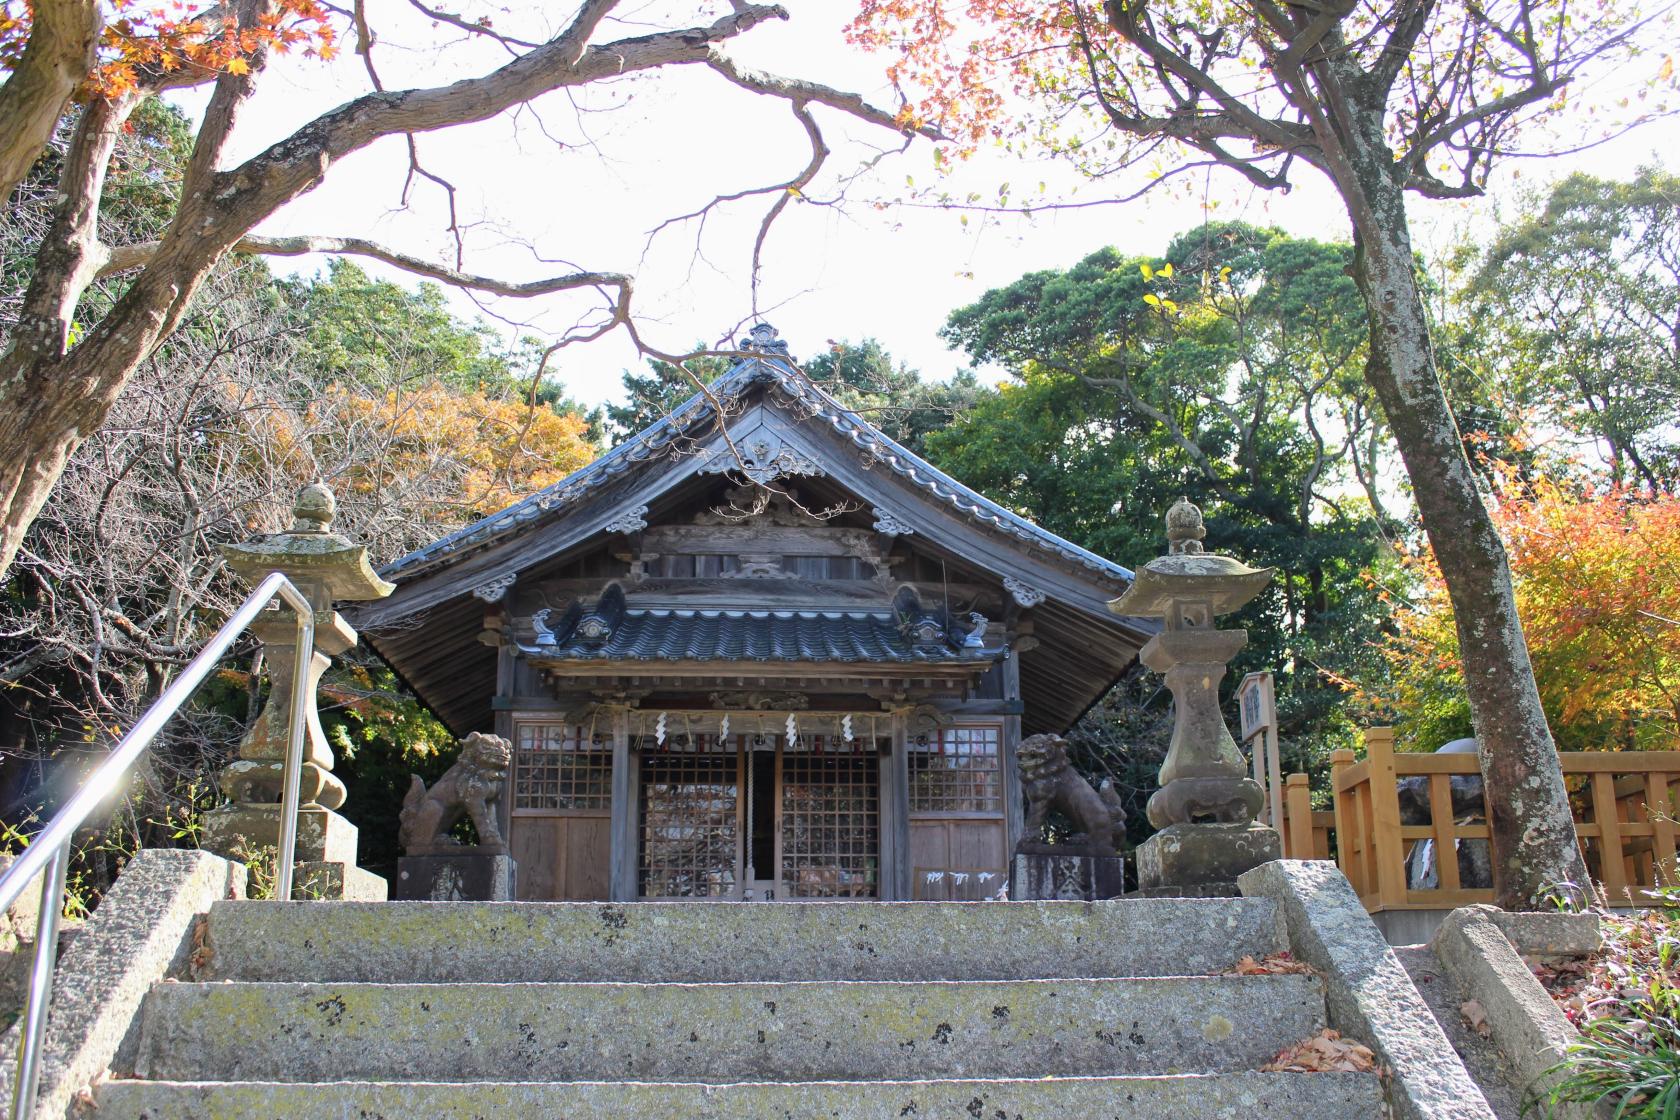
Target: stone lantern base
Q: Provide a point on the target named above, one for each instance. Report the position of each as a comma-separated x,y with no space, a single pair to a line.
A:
326,849
1185,855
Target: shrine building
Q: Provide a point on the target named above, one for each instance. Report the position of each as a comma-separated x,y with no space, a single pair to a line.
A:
758,651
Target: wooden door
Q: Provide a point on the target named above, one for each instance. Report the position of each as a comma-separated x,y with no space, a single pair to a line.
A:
829,821
957,827
691,819
560,831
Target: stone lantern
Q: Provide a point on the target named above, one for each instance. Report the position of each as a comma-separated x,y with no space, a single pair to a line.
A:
325,566
1206,807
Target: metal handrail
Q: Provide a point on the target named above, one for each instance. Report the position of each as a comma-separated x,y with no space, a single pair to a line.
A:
50,848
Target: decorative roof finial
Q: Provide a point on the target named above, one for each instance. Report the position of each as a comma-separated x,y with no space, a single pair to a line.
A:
761,338
313,511
1184,528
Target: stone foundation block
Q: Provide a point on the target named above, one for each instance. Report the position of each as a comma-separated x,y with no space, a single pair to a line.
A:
338,882
1182,855
244,832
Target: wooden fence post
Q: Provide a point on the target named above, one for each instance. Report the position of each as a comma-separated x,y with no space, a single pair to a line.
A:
1297,811
1349,839
1386,847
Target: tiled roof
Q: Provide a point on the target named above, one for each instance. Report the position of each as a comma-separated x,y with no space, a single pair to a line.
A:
656,440
612,632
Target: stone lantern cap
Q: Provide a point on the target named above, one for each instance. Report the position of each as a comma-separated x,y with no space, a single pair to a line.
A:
320,560
1187,574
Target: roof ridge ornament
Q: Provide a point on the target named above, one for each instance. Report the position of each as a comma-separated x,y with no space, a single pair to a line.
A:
761,338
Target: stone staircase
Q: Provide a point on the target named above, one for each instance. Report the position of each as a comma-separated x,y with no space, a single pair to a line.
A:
977,1011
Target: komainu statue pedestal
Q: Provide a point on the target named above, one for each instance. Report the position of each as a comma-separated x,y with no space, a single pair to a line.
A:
466,876
1063,877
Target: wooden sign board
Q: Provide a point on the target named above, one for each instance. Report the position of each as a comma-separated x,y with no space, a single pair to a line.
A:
1257,702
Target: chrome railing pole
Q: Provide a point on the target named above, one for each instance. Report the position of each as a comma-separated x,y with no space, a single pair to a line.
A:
296,724
106,779
26,1082
48,853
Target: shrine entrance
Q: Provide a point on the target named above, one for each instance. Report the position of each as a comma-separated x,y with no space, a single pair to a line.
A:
760,817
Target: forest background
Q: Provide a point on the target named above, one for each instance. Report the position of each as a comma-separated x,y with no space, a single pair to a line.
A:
1227,369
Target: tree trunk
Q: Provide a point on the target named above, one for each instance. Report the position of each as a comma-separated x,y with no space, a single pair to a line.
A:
1533,831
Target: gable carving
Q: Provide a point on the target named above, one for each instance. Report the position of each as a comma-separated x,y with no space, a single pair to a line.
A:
763,457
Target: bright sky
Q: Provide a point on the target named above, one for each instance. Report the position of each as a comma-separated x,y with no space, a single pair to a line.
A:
586,182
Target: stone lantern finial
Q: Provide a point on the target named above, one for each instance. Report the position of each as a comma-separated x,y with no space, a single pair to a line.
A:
1184,528
314,509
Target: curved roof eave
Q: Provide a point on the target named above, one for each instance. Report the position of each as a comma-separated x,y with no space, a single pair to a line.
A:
658,436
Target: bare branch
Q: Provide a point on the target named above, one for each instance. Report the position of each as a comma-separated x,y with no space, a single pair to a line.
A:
128,257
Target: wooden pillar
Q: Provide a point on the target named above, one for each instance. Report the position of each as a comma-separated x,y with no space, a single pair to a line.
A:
895,814
1014,812
626,785
504,727
1350,851
891,854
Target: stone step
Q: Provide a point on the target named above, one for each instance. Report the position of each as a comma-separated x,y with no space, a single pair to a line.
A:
397,942
1227,1096
813,1031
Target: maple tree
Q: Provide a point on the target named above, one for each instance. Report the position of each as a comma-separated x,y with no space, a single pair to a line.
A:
1597,578
1382,99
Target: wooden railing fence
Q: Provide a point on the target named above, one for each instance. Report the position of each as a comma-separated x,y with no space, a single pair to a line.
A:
1625,807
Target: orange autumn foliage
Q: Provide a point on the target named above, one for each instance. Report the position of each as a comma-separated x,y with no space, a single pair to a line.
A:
1597,579
169,37
494,451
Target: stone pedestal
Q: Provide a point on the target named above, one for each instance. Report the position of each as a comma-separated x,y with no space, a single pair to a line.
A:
326,848
338,882
1187,855
467,877
1037,876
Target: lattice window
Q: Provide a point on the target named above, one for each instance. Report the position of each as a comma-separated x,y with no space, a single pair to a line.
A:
690,819
558,766
831,825
957,771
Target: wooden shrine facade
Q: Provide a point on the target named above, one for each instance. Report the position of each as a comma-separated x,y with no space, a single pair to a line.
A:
759,651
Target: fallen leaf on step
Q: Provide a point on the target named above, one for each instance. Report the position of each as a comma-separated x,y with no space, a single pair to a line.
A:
1271,964
1326,1052
1475,1015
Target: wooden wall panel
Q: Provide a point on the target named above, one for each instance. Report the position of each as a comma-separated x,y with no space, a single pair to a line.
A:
588,854
964,849
535,844
562,858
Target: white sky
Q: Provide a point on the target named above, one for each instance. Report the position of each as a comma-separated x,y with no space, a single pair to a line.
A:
586,187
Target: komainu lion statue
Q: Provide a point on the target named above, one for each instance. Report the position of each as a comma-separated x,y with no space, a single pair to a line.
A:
1049,782
468,787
